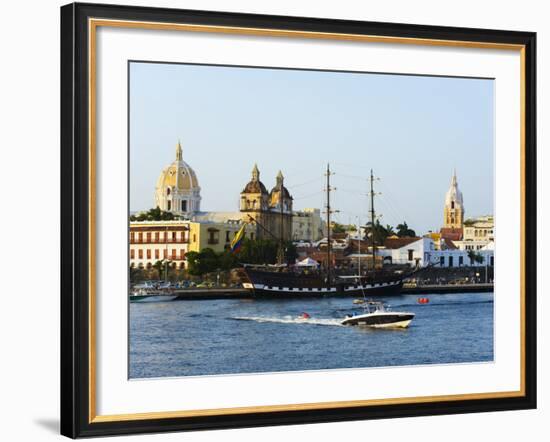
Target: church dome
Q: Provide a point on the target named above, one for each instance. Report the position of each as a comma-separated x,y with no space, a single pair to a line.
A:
255,185
169,177
177,188
275,194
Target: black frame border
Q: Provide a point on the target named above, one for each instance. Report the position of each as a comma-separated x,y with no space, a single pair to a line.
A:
75,220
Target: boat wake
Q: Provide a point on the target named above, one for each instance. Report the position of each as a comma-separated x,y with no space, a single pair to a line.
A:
290,320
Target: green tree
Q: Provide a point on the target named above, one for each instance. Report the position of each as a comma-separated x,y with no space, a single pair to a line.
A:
380,232
260,251
403,230
337,228
155,214
228,260
136,274
205,261
475,257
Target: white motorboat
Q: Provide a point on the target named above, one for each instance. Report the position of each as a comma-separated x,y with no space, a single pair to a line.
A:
148,295
377,315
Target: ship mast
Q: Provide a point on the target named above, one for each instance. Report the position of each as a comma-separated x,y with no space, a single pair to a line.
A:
281,252
328,212
372,220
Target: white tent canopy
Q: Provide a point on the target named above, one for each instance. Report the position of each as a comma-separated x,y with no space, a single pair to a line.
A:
308,262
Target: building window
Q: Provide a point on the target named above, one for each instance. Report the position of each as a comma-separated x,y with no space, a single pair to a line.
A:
132,254
169,205
165,254
167,191
410,251
227,236
460,261
213,236
157,254
441,261
452,204
184,206
450,261
194,237
173,254
140,253
157,237
131,237
148,236
140,237
182,254
173,236
148,253
492,261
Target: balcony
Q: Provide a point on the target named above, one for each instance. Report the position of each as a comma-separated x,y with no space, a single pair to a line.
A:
159,241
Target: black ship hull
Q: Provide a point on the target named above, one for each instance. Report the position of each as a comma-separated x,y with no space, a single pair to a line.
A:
287,284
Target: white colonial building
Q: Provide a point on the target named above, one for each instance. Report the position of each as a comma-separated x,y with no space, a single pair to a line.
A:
307,225
177,188
423,252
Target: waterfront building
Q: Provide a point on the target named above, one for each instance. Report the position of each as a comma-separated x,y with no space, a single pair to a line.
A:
270,212
461,258
177,189
152,241
307,225
413,251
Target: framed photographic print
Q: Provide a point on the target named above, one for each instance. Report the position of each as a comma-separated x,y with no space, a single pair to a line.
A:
273,220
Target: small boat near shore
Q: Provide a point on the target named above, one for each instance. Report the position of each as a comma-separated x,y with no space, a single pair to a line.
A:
148,295
377,315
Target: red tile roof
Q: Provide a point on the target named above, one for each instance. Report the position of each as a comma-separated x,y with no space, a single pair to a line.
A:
397,243
451,233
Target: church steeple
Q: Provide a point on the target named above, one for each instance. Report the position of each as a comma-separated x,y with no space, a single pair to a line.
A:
453,212
280,179
255,173
179,152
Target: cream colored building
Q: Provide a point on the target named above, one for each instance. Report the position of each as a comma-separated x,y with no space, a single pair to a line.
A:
478,233
216,235
479,229
152,241
307,225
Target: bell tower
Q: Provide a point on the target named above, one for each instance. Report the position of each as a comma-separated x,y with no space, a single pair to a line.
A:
453,213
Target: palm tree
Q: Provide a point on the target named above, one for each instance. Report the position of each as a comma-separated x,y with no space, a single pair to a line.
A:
474,257
403,230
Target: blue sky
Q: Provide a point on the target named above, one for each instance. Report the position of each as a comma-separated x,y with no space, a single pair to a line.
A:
412,130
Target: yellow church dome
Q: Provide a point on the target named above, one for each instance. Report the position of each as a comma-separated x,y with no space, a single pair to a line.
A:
178,175
177,188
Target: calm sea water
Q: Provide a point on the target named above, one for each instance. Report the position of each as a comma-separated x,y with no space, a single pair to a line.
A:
190,338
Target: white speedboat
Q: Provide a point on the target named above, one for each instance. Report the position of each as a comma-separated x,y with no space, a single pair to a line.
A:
379,316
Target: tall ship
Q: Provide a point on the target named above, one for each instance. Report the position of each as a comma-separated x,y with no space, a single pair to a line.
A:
287,281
